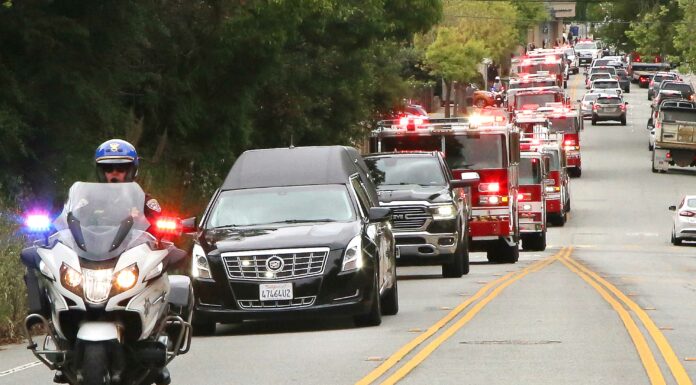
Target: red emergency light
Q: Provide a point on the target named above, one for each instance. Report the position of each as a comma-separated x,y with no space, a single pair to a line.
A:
168,226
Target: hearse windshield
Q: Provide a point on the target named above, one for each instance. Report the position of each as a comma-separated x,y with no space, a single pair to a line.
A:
275,205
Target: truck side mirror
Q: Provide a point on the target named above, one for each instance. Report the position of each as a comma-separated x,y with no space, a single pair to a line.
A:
465,180
379,214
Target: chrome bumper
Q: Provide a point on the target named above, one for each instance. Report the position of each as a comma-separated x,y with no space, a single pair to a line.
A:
424,244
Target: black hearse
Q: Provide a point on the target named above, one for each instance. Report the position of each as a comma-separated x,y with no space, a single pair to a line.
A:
294,232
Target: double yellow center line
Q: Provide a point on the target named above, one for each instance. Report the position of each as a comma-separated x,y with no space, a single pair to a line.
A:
491,290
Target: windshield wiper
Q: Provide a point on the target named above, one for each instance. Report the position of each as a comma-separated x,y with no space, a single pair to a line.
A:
301,221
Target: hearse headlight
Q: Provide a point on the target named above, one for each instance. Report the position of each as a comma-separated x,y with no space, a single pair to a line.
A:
443,212
199,264
353,257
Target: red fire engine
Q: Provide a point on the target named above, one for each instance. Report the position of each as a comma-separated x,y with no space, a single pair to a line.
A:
490,149
569,122
557,185
531,99
551,64
532,198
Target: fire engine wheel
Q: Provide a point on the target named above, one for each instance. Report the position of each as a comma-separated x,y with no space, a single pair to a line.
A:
534,242
503,253
558,219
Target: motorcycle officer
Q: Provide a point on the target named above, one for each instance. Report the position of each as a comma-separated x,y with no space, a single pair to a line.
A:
498,85
117,162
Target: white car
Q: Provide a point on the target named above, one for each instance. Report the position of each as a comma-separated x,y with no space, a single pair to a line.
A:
586,103
597,76
684,220
607,86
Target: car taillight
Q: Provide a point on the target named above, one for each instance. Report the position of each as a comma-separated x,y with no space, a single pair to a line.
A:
687,214
669,155
623,107
489,187
595,107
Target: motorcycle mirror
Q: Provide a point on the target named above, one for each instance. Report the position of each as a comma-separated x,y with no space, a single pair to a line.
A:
189,225
672,208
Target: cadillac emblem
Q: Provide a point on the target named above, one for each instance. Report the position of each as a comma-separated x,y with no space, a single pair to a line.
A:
275,264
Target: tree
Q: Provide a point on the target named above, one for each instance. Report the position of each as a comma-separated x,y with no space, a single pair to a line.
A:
653,32
454,57
684,33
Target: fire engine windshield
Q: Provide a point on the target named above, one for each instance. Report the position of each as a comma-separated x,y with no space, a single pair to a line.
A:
411,143
566,124
554,161
530,171
476,152
532,101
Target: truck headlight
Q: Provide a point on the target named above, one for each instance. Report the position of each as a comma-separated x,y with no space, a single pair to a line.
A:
353,257
199,265
443,212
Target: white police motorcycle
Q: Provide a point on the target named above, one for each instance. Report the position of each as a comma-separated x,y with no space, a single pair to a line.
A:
99,286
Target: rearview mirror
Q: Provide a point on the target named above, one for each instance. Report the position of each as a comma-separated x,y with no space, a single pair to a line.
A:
465,180
379,214
672,208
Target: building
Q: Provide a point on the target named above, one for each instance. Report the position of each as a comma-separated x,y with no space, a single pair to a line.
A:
552,30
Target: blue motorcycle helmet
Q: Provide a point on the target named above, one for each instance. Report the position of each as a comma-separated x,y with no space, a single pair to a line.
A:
116,154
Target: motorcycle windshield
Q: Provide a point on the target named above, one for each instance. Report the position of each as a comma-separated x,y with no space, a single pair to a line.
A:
102,220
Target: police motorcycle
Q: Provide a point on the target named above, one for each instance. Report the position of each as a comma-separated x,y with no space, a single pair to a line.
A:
109,311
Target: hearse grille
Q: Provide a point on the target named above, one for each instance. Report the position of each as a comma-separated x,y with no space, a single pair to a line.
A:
275,265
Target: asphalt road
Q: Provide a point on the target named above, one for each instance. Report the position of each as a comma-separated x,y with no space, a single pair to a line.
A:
611,301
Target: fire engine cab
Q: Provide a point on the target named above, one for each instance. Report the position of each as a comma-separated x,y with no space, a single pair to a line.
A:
532,99
488,148
569,123
557,184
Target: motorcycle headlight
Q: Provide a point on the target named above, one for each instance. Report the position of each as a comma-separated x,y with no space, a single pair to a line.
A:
353,257
97,284
126,278
199,265
71,279
444,212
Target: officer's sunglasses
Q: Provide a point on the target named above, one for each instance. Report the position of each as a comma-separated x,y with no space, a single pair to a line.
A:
108,168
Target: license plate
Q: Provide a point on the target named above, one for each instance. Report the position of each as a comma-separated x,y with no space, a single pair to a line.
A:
275,291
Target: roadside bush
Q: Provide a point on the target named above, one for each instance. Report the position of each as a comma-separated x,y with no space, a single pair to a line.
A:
12,291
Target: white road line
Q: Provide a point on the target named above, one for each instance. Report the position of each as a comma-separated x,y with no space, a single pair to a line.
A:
19,368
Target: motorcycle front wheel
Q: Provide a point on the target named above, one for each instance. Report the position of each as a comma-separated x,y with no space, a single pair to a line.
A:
95,365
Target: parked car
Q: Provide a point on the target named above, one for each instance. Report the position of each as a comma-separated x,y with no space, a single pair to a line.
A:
430,214
684,223
294,232
609,107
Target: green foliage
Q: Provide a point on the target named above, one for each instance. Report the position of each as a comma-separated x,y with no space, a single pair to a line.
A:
653,32
684,36
12,293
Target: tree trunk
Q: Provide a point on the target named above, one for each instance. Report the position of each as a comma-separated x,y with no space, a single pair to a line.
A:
455,108
448,97
161,146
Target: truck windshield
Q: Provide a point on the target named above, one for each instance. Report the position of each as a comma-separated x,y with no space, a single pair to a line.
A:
475,151
530,171
411,143
681,115
406,170
292,204
567,124
538,100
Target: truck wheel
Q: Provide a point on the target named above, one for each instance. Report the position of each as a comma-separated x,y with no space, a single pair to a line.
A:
374,316
628,90
390,304
653,162
623,120
455,269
